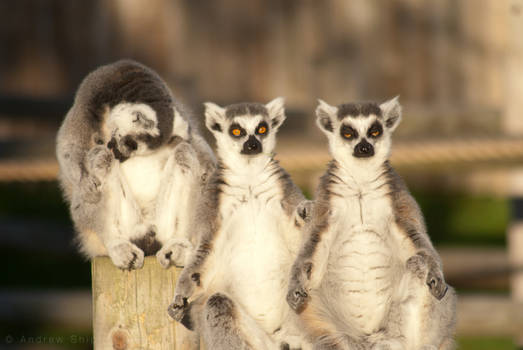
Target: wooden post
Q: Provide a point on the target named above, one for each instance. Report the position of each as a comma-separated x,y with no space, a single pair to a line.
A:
130,308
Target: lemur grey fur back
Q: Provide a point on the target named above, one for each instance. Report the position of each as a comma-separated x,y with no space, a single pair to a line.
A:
131,163
367,275
232,291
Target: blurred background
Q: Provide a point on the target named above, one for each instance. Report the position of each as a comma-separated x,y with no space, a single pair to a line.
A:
457,65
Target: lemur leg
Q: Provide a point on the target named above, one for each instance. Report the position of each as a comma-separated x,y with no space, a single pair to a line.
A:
97,206
225,325
310,265
175,205
322,330
123,222
428,323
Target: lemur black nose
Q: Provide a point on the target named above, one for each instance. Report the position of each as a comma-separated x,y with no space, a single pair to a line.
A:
252,146
363,149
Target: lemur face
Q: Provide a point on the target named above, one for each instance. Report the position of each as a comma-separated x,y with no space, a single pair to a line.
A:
359,132
131,129
246,129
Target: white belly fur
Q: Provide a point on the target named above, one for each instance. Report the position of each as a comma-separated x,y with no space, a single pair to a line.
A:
144,175
256,260
362,261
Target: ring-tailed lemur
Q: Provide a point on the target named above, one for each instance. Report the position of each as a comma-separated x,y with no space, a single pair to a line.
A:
233,289
367,275
130,166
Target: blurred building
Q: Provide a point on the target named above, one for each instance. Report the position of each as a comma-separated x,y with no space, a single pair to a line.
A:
445,58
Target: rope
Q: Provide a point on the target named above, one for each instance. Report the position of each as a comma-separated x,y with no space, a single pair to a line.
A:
403,154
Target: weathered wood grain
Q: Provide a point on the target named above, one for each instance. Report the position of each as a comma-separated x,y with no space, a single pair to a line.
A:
129,308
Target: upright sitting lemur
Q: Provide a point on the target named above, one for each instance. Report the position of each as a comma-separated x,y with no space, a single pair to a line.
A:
367,275
131,166
232,291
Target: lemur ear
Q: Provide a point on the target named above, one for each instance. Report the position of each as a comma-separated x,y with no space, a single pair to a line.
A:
391,113
181,126
276,110
326,114
214,117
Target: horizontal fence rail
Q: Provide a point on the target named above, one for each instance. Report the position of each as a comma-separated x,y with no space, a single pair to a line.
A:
311,158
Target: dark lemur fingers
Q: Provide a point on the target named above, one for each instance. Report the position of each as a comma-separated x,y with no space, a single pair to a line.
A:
297,294
178,308
297,298
437,286
424,268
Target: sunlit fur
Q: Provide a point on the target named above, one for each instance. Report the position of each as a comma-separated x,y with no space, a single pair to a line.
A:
236,280
130,166
361,279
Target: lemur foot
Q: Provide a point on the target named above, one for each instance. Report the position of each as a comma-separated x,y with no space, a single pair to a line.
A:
126,256
431,272
174,253
178,308
219,310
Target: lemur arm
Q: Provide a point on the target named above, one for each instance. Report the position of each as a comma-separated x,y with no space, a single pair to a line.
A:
75,142
310,265
206,223
409,219
292,196
205,156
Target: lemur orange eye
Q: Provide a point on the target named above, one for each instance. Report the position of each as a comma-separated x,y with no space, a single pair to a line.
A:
236,132
375,133
262,130
347,135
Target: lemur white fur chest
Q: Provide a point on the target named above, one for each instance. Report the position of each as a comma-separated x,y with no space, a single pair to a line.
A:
143,175
363,255
253,244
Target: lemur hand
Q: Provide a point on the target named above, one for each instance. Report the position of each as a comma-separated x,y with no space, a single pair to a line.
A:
304,211
297,296
99,161
424,267
184,290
